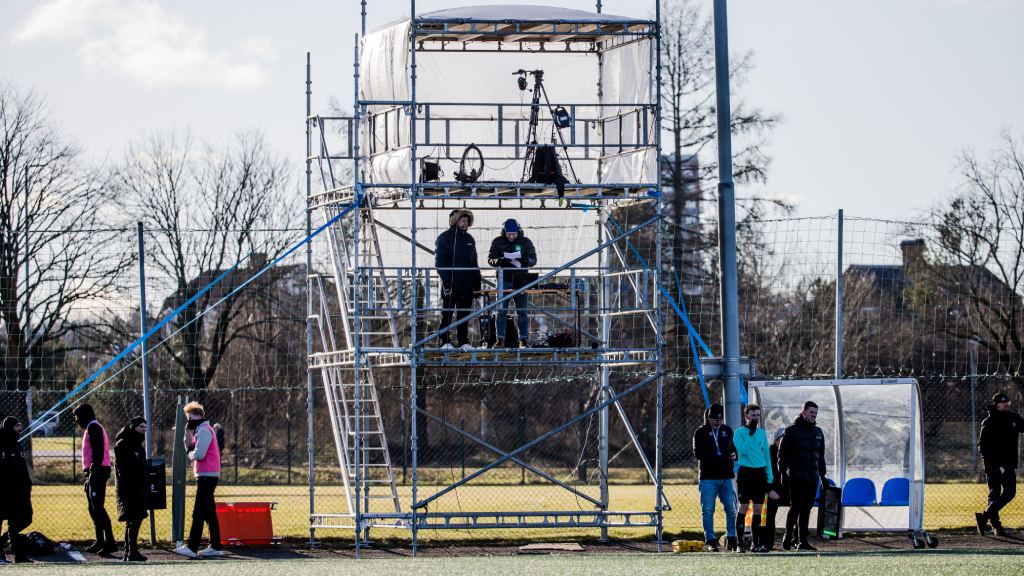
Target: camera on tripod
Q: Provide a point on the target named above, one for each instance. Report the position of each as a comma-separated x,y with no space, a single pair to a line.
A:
542,162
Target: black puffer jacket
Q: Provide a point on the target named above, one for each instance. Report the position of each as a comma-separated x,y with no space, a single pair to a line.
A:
714,466
501,245
15,481
457,249
998,440
131,476
802,453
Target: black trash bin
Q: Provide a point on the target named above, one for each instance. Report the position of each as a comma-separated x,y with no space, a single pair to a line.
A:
157,483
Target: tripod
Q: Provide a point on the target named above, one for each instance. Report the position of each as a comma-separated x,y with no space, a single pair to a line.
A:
531,133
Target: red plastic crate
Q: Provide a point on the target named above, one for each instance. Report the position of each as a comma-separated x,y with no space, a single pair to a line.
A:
246,522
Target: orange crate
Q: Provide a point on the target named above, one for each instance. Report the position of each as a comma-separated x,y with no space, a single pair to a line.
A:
246,522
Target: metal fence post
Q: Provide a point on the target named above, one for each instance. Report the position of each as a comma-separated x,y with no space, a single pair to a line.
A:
309,310
462,445
839,297
522,442
973,351
146,406
289,449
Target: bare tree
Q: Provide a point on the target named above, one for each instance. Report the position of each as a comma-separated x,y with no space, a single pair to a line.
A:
975,273
207,207
688,98
56,259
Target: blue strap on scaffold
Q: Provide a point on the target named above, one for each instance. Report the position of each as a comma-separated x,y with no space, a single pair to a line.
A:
682,314
41,421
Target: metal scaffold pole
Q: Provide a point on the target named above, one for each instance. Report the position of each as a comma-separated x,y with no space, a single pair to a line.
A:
604,423
309,307
660,338
356,340
727,226
414,191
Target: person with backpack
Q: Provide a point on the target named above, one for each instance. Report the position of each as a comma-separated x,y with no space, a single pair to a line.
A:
15,488
204,452
512,241
96,468
131,484
998,447
456,248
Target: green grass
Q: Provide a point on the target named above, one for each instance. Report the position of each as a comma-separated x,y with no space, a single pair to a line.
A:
60,511
968,562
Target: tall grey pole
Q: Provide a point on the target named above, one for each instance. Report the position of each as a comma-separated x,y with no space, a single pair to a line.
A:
414,325
604,416
309,306
973,349
146,405
659,495
839,298
727,226
28,328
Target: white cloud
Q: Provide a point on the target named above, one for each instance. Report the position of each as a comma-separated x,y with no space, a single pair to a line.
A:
141,40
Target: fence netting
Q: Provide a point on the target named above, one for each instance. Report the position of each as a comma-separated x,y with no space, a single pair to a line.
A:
909,309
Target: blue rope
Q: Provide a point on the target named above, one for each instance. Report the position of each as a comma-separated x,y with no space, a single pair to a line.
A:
682,314
41,421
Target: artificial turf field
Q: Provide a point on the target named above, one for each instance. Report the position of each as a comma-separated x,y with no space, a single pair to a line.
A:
971,562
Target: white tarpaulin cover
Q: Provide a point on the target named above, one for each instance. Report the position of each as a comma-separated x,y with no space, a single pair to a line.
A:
620,77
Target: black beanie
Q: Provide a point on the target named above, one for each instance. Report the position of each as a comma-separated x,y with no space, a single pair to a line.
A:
9,423
84,414
715,411
135,422
999,399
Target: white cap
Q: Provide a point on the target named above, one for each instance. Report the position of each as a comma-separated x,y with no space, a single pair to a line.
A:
779,432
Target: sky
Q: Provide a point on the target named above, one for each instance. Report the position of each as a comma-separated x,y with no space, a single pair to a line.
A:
877,96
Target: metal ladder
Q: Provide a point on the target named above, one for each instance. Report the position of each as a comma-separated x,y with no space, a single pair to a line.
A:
337,364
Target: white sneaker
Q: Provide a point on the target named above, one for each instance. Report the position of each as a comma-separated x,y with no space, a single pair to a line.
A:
185,551
447,346
466,346
209,551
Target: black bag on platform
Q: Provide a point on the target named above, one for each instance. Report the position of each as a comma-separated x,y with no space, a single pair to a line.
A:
564,339
547,170
35,544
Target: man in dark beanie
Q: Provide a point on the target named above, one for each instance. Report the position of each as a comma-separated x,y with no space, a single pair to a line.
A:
998,447
15,488
802,466
96,468
713,447
131,484
512,250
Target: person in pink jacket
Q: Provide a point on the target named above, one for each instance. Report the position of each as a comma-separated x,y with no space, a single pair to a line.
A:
204,452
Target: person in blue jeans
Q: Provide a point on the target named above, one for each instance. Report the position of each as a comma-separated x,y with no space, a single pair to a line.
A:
713,447
512,250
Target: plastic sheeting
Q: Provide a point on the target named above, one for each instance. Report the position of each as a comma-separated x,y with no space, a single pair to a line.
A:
875,423
472,84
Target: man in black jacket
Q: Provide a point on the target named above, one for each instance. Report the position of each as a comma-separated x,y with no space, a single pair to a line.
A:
15,489
131,484
512,241
802,465
455,248
998,447
712,445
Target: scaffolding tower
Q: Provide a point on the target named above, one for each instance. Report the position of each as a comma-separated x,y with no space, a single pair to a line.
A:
375,307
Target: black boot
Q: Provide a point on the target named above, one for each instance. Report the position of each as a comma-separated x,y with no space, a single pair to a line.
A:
132,545
787,541
99,544
109,544
730,543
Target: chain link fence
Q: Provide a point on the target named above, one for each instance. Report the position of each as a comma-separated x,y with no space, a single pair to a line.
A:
908,309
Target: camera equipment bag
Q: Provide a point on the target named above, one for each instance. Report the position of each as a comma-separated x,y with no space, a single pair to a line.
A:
546,169
563,339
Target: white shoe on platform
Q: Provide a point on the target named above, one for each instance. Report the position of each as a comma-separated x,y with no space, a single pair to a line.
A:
185,551
209,551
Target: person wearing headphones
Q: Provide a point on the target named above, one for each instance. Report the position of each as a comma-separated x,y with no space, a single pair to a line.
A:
512,249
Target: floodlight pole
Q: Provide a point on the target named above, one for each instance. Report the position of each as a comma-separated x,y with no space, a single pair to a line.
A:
727,226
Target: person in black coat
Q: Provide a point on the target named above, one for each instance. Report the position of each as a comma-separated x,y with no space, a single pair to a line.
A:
512,241
802,465
715,453
998,447
15,488
131,484
778,495
455,248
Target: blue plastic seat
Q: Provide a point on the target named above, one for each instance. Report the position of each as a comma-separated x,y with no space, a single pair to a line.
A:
859,492
896,492
818,493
